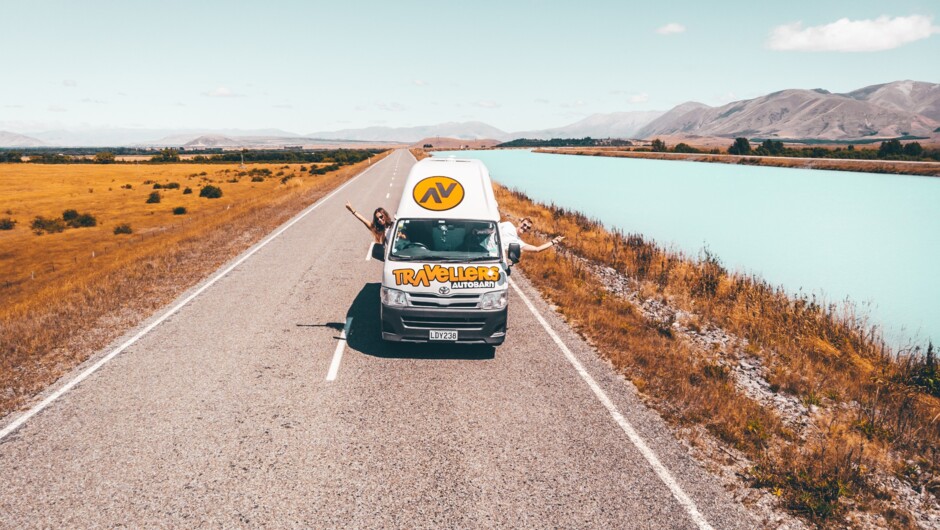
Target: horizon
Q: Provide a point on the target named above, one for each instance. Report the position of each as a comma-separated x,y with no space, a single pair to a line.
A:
324,69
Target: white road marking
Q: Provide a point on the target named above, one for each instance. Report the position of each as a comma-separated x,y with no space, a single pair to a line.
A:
661,471
387,194
338,353
36,409
369,252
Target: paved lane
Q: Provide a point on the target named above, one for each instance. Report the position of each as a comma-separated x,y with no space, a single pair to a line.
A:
223,416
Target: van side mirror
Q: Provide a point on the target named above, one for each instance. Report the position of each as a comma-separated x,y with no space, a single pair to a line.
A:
378,252
515,252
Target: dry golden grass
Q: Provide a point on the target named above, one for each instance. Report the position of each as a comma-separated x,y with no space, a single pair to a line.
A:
872,414
68,294
419,153
927,169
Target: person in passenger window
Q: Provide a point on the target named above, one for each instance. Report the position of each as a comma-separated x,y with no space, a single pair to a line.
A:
379,224
509,235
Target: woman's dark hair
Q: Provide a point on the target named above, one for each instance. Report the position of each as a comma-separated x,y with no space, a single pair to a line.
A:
379,226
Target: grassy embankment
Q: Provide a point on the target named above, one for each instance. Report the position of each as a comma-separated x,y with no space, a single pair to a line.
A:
66,295
870,415
929,169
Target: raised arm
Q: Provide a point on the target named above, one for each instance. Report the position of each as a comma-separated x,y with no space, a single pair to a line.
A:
529,248
365,221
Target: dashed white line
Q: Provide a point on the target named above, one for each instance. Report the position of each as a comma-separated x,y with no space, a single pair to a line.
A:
387,194
664,475
369,251
15,424
338,353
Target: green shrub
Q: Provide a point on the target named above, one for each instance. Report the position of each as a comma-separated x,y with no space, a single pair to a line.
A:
257,179
42,225
123,228
179,210
153,198
172,186
157,186
127,187
69,215
7,224
210,192
187,190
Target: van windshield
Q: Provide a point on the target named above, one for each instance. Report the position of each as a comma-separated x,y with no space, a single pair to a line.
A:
444,240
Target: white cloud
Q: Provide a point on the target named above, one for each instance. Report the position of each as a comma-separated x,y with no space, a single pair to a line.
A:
844,35
71,83
56,108
642,97
221,92
671,28
420,82
488,104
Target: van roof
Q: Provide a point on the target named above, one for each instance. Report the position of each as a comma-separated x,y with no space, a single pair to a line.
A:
436,195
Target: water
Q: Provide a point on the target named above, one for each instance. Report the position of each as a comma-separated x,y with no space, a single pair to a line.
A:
870,238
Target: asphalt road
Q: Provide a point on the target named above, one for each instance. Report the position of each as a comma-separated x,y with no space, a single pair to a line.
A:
223,414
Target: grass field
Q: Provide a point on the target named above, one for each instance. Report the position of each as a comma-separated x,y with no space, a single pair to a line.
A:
67,294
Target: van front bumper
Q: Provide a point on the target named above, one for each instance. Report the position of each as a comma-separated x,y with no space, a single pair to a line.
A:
413,324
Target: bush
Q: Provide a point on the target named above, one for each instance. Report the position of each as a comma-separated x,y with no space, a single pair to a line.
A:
172,186
179,210
157,186
83,221
127,187
257,179
123,228
187,191
42,225
69,215
741,146
153,198
7,224
210,192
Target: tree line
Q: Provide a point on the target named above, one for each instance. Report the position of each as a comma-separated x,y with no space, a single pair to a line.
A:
169,155
892,149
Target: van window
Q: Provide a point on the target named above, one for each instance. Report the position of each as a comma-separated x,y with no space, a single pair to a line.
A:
445,240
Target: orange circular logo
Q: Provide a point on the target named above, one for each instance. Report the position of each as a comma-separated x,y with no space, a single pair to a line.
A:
438,193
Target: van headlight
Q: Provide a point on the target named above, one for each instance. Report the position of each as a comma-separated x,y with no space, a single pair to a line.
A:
494,300
393,297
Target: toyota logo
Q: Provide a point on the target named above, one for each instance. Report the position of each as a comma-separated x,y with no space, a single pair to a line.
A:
444,290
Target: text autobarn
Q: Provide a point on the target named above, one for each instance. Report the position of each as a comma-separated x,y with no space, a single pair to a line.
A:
426,274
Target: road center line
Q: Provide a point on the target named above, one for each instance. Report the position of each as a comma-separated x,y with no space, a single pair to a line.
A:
369,252
338,353
661,471
36,409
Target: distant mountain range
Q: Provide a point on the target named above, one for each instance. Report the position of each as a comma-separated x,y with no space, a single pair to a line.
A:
900,108
9,139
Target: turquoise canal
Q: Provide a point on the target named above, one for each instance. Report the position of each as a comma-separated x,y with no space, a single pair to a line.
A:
872,239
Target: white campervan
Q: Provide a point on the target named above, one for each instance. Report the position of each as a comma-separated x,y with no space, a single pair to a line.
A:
446,272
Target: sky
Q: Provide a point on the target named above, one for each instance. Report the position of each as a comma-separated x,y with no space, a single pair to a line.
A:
318,66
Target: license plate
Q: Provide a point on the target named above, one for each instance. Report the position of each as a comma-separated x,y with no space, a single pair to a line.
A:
443,334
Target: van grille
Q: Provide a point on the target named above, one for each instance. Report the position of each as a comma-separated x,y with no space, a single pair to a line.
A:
439,322
457,301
